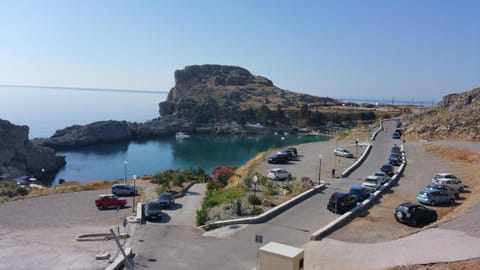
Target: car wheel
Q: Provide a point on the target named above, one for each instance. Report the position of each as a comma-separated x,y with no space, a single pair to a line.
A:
289,177
461,189
452,201
457,195
100,207
433,203
399,215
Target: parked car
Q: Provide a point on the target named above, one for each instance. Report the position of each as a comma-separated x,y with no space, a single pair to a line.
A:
109,201
279,174
166,199
371,183
294,150
414,214
453,183
444,176
434,197
395,150
278,158
382,176
153,210
388,169
342,153
445,188
124,189
396,135
359,192
394,160
289,153
341,202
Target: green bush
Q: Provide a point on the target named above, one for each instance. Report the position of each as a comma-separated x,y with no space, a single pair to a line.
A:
257,210
217,197
202,216
270,192
255,200
160,189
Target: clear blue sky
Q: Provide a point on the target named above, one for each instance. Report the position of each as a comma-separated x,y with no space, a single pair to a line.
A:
407,50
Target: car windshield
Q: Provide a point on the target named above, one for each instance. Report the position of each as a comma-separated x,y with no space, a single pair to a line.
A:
370,181
165,196
153,206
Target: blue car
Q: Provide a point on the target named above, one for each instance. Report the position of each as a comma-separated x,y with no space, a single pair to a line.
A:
359,192
435,196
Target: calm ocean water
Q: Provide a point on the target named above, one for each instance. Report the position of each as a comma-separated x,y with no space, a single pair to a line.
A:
45,110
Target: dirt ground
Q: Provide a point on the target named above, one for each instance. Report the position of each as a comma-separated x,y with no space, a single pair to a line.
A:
379,222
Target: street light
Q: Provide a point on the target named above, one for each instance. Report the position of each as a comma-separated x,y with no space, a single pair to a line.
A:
134,190
125,178
255,180
356,149
320,168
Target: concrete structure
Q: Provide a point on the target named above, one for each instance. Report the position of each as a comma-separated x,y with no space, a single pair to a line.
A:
275,256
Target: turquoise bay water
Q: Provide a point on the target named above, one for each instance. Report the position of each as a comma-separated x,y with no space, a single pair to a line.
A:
46,110
107,162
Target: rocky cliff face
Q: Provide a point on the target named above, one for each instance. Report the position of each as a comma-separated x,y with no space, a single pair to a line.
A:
19,156
215,93
456,116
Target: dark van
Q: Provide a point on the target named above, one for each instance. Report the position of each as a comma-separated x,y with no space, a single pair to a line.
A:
341,202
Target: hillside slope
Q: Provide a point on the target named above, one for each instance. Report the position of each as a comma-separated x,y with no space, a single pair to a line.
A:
457,116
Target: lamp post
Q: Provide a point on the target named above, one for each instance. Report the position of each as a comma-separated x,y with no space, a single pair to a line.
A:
356,149
135,190
319,168
255,180
125,178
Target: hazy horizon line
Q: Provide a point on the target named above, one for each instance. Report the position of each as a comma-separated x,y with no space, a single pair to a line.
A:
88,89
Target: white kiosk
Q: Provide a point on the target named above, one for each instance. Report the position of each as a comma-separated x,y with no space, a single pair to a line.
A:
275,256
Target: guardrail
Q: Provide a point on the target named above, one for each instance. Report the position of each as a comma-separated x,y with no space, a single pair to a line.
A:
269,214
357,163
353,213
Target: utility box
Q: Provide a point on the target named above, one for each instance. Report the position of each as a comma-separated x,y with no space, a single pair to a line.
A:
275,256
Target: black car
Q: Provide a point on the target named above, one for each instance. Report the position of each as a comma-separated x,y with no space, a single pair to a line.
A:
153,210
278,158
396,135
414,214
341,202
394,160
395,150
388,169
166,199
289,153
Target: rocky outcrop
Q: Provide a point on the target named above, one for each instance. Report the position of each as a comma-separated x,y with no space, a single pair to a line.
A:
215,93
94,133
456,116
19,156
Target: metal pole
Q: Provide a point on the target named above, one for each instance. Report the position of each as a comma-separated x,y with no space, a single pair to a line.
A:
320,169
125,177
134,195
128,261
254,197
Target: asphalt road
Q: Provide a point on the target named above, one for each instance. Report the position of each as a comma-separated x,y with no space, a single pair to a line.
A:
180,247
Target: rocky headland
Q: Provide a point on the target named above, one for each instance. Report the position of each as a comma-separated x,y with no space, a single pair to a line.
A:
19,156
457,116
215,99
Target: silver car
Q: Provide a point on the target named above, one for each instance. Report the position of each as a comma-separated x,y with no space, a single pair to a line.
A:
124,190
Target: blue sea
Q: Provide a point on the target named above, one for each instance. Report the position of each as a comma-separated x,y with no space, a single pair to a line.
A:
47,109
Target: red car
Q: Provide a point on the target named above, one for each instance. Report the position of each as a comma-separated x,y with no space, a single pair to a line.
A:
109,201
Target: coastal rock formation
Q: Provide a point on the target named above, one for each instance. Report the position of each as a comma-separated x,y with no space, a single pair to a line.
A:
19,156
94,133
216,93
456,116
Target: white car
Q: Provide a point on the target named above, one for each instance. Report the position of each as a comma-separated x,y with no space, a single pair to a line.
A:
279,174
450,182
382,176
371,183
342,153
445,176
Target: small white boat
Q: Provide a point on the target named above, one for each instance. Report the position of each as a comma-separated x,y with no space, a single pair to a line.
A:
181,136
